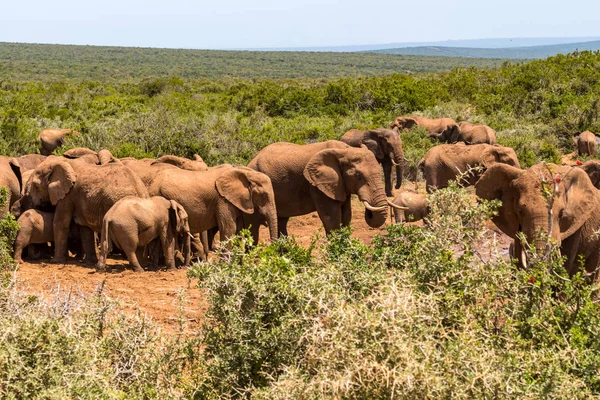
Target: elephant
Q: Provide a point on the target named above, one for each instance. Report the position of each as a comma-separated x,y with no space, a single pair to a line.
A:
35,227
436,125
148,168
592,168
476,133
586,144
78,191
11,179
218,197
134,222
386,145
574,202
416,204
90,156
321,177
15,172
197,164
468,133
51,139
446,162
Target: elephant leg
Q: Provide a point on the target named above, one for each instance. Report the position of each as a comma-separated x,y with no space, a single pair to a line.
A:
347,212
206,247
61,224
330,211
226,218
133,260
88,241
22,241
282,224
569,248
168,246
387,175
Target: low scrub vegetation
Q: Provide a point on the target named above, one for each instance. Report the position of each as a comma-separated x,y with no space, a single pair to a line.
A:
428,312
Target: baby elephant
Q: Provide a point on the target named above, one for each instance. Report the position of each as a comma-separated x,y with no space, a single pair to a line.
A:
134,222
415,204
35,227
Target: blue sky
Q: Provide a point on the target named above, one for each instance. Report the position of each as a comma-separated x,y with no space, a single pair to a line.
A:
289,23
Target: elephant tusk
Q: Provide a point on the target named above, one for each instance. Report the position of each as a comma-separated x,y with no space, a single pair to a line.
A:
190,235
397,207
395,163
374,209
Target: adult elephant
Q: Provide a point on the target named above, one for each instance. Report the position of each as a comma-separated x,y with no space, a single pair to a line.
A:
79,191
218,197
386,145
50,139
11,179
586,144
446,162
148,168
575,218
592,168
197,164
433,125
321,177
468,133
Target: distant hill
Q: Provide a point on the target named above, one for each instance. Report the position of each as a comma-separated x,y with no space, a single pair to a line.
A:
525,52
494,43
51,62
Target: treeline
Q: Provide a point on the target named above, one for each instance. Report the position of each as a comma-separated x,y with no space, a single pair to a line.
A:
535,107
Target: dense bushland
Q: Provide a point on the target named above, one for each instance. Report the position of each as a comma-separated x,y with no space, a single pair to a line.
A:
535,107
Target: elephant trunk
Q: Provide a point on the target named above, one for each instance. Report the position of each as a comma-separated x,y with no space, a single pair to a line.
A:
269,213
397,156
377,218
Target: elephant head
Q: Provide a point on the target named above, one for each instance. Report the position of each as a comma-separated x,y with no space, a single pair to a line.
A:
386,142
180,226
105,157
524,207
191,165
403,124
250,191
339,173
592,168
450,135
494,154
50,182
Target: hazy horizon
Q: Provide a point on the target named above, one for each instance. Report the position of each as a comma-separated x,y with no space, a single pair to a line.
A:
272,24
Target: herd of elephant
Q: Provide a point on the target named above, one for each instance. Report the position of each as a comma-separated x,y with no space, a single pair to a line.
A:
169,207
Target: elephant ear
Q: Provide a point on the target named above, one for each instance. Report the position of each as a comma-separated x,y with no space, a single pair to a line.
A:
579,201
177,216
372,141
409,123
489,157
496,184
323,171
105,157
61,179
236,188
16,169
